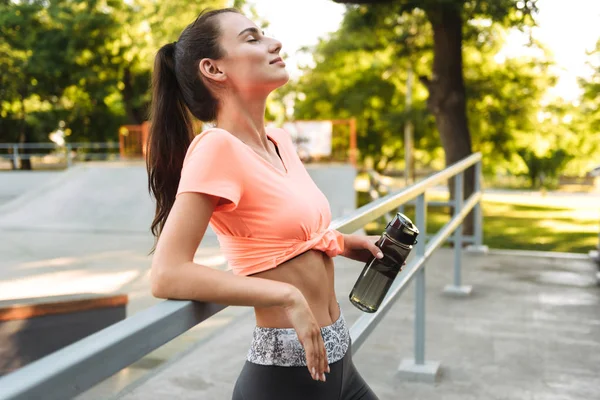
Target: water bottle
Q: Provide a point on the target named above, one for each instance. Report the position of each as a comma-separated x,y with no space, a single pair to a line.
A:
377,276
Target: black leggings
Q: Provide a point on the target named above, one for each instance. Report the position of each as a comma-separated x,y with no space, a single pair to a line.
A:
269,382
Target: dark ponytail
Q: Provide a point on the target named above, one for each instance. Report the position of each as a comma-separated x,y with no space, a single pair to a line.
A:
178,93
170,136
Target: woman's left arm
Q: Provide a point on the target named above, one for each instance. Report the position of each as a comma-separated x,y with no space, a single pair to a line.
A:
360,247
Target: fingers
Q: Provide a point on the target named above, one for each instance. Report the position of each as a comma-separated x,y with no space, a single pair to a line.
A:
316,357
312,357
376,251
319,358
325,360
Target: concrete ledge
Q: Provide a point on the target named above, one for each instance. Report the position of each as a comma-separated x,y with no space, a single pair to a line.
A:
32,328
428,372
543,254
458,291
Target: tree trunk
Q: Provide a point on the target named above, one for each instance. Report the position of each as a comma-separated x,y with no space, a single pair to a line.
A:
447,97
23,137
134,114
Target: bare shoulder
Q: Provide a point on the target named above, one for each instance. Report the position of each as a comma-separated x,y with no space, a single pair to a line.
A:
184,228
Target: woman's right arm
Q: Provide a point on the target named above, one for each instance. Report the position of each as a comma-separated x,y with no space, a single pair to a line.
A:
174,275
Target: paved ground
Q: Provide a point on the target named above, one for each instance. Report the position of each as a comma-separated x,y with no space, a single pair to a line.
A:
16,183
86,229
531,330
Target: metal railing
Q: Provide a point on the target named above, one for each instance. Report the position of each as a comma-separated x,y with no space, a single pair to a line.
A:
67,153
76,368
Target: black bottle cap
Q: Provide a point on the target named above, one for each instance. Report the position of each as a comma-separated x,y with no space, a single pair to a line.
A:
402,229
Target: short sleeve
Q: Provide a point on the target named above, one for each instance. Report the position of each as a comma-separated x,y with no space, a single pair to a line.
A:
211,167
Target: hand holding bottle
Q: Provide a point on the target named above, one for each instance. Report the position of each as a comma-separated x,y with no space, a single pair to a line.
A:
377,276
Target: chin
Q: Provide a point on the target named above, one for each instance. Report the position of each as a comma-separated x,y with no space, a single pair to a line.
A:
277,83
284,80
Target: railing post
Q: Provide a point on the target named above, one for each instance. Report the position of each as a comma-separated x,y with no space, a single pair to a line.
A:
478,246
417,368
16,156
595,256
421,217
457,288
69,160
478,214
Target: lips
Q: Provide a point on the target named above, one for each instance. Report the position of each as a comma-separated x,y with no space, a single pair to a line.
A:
276,60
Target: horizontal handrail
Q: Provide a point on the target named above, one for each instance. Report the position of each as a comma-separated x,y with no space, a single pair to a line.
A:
77,367
379,207
90,145
363,327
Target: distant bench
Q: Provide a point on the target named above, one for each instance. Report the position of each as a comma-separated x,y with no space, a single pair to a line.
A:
578,180
31,328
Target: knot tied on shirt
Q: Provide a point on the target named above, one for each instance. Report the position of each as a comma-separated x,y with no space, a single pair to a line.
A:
252,255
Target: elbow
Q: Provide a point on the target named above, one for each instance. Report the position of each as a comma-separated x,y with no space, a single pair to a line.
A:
159,282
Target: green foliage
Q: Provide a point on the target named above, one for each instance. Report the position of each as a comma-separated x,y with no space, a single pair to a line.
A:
507,12
361,71
565,138
355,76
542,167
510,119
504,98
520,222
587,120
86,63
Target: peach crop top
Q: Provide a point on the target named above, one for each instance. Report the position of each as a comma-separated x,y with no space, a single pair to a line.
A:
269,216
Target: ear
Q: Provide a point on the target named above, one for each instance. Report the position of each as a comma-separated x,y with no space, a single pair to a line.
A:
209,69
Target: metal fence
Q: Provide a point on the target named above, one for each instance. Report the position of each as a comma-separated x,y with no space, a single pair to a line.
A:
76,368
67,154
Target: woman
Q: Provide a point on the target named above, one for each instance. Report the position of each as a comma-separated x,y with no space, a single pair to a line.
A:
270,218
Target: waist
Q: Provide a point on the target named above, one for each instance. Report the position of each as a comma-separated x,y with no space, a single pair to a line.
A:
312,273
281,346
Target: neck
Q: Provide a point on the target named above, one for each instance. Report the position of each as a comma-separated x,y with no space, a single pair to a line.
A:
244,117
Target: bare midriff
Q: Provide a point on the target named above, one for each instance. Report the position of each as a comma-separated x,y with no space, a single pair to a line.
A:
312,273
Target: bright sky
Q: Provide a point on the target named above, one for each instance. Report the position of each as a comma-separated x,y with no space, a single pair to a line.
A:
567,30
298,23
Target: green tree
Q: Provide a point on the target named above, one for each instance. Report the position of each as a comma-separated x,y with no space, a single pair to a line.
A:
55,54
587,120
590,99
504,98
546,166
447,95
357,74
86,63
361,71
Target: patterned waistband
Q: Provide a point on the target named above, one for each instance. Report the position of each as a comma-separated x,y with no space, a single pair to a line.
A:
281,347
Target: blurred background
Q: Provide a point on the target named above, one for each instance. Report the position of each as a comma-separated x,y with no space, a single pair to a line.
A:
381,95
75,84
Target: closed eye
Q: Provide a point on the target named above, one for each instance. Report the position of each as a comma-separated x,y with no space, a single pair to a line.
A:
252,32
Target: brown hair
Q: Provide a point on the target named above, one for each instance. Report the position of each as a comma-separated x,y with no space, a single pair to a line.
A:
178,93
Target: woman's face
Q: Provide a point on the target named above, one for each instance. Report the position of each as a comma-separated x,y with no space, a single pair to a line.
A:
251,62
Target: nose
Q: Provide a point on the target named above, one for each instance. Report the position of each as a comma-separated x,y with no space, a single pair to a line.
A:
275,46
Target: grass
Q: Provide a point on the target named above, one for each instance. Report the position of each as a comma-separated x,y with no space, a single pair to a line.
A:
521,222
